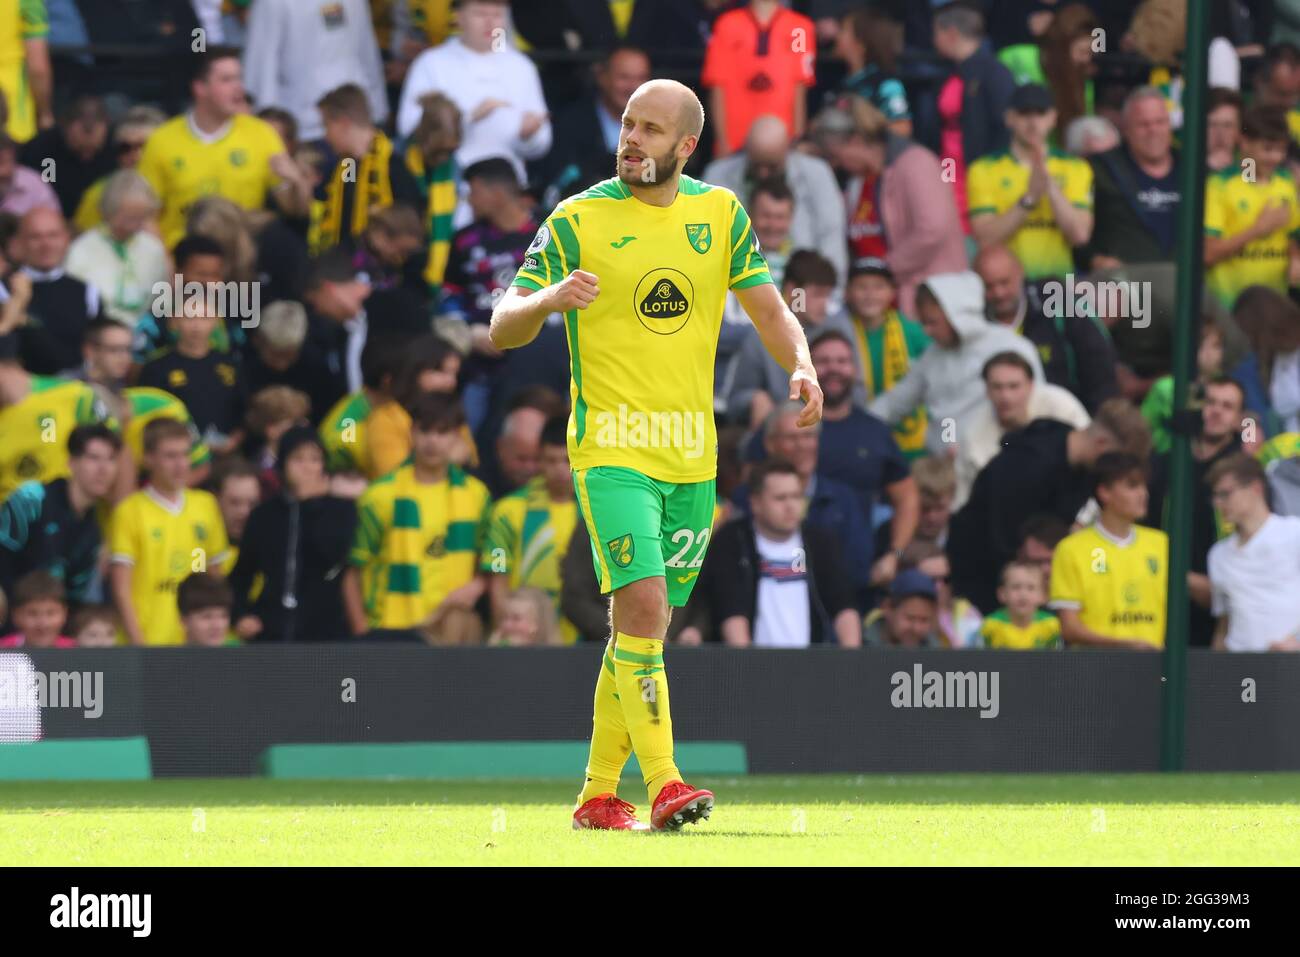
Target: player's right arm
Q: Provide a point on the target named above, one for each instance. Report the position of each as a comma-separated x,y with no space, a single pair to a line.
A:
518,317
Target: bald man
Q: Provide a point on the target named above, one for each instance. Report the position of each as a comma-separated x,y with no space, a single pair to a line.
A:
639,265
519,448
819,215
61,306
1075,351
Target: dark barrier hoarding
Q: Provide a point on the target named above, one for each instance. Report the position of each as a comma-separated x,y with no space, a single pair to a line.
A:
212,712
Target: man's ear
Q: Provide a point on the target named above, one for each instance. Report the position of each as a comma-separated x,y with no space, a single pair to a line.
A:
687,146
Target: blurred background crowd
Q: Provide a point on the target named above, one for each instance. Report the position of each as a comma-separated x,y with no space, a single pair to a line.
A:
249,252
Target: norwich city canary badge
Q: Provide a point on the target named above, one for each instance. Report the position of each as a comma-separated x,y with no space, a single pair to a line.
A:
621,550
700,236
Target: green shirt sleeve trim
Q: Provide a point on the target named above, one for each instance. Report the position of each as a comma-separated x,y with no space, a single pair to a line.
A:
755,277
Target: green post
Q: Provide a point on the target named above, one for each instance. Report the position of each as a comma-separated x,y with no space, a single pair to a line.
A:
1191,230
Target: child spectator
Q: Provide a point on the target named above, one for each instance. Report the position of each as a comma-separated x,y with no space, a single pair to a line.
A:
94,626
528,618
159,534
369,432
1110,580
415,556
40,612
1249,223
956,620
1021,622
204,601
272,412
886,344
208,382
528,531
345,431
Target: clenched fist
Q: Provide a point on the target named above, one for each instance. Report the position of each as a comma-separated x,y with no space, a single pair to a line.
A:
578,290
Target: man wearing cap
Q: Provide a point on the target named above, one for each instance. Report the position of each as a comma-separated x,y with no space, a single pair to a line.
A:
885,343
1033,199
909,616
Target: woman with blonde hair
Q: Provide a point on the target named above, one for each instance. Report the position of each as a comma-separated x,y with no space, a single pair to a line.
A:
528,620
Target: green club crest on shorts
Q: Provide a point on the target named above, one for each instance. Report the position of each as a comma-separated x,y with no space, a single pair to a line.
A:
621,550
700,236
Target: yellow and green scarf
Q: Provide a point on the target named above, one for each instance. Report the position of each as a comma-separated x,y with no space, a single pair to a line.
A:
373,188
439,187
910,432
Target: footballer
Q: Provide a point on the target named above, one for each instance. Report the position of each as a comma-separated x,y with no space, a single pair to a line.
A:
639,266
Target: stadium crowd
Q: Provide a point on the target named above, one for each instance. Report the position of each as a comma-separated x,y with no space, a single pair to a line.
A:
247,392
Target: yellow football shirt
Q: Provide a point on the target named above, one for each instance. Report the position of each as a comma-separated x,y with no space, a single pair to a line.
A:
88,216
34,432
999,631
528,534
20,21
343,433
1118,588
642,355
147,404
1231,205
165,544
416,542
995,183
183,167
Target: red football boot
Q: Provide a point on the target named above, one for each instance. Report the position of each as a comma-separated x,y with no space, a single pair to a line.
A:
679,803
607,813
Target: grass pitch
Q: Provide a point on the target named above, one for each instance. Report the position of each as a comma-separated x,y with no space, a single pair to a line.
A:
1191,819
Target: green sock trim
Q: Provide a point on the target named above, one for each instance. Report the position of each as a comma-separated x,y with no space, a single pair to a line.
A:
632,657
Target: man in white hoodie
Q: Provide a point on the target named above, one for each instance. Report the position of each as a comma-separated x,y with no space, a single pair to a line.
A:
947,376
496,88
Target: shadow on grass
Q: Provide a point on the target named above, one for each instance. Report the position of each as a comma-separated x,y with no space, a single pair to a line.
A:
803,790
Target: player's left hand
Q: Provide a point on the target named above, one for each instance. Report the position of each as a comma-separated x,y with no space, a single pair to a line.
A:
804,385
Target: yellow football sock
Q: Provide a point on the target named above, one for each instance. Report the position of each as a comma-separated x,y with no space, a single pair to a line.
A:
643,691
610,744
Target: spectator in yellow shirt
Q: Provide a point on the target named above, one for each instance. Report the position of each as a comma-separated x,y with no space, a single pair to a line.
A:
216,147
